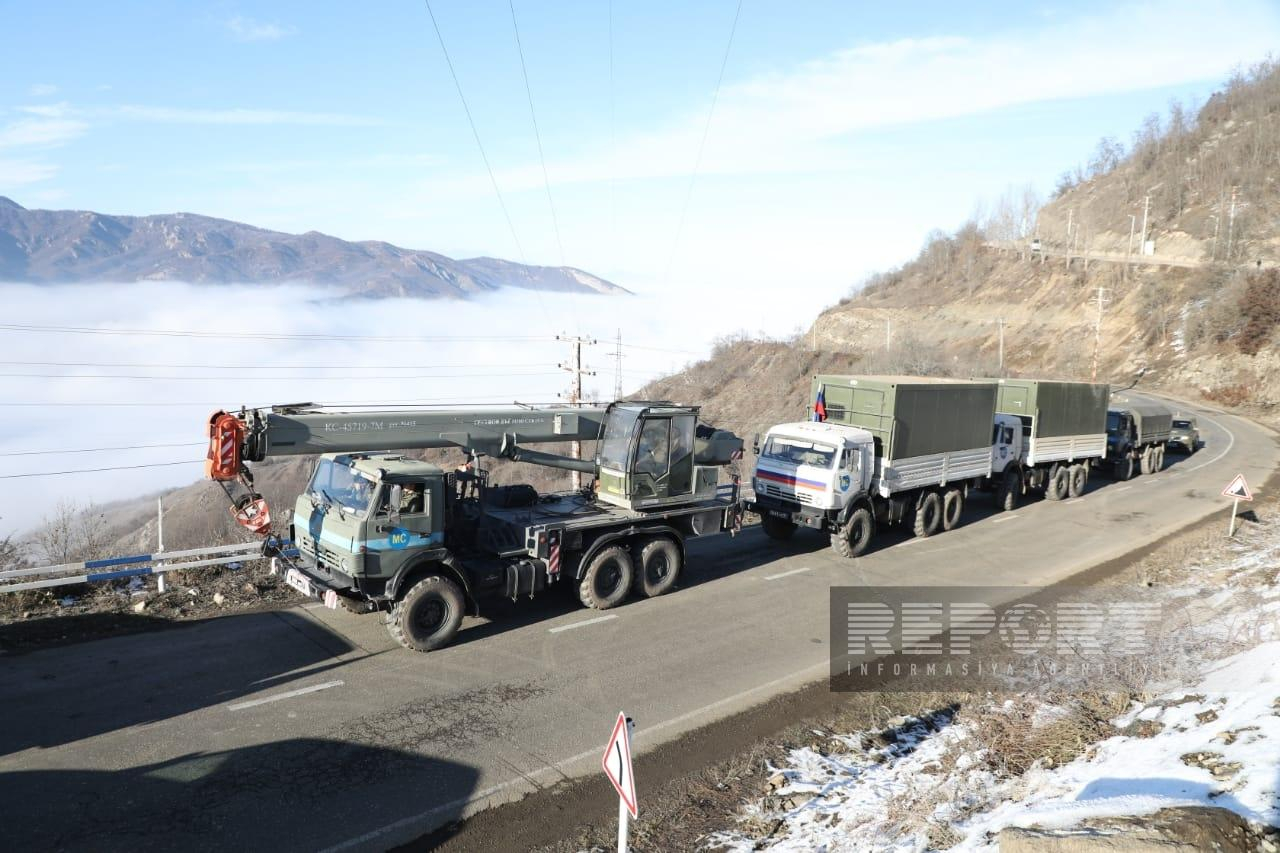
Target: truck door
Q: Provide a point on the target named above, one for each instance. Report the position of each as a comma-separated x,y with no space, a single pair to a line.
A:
663,463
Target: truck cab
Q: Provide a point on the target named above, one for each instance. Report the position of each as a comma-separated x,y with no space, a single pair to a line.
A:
364,517
810,471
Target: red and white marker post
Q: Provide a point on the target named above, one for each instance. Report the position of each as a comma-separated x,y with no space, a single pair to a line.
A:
617,766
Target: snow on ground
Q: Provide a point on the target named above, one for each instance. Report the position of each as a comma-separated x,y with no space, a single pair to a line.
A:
1213,739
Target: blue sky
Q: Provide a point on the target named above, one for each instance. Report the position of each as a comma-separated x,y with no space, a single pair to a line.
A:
843,131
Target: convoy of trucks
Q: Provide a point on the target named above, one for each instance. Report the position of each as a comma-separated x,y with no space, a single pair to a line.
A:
377,531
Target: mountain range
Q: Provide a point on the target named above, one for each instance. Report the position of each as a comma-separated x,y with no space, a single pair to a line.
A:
67,246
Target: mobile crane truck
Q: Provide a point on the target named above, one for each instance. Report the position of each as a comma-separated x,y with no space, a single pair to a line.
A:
380,532
880,450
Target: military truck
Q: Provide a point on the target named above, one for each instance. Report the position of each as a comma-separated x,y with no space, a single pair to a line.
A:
880,450
381,532
1136,438
1063,432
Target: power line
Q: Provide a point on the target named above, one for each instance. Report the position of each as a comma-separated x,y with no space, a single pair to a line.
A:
425,402
697,162
253,366
546,181
273,336
474,132
96,470
100,449
267,378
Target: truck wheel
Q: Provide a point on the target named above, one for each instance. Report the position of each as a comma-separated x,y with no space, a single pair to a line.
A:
427,616
952,508
928,515
1145,464
1058,484
777,528
1079,478
854,536
607,580
1157,460
659,567
1010,491
1123,470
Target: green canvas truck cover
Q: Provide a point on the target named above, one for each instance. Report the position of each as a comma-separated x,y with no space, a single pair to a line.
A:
1153,421
911,416
1052,408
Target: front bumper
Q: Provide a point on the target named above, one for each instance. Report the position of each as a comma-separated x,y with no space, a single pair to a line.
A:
793,512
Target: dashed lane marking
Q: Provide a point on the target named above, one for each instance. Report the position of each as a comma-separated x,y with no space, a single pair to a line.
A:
301,691
1004,518
786,574
581,624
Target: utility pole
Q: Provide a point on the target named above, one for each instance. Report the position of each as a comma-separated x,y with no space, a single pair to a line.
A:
1000,320
1071,214
1231,223
1146,208
1128,255
1102,300
888,335
575,368
617,366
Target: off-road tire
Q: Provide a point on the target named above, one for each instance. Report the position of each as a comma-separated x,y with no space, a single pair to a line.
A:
658,564
777,528
1010,491
1078,479
1057,486
1145,465
854,536
927,518
607,580
952,508
428,615
1157,460
1123,470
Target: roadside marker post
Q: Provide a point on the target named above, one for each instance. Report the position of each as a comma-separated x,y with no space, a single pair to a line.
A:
617,766
1237,490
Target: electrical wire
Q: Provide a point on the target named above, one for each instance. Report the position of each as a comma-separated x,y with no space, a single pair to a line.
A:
706,130
268,378
101,449
254,366
96,470
274,336
528,90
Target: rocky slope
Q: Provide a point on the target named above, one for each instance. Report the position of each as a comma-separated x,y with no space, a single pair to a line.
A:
60,246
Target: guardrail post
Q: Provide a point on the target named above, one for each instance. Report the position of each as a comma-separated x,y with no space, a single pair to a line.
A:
160,581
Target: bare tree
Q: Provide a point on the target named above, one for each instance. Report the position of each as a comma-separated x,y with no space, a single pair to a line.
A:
72,533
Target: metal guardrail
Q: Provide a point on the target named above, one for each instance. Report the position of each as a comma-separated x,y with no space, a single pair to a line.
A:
139,565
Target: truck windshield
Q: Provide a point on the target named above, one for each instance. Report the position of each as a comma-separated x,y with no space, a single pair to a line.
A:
617,438
1113,421
1182,424
335,482
798,451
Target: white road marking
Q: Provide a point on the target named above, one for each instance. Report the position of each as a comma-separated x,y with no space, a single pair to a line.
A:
913,540
786,574
1073,501
1004,518
301,691
1122,489
584,622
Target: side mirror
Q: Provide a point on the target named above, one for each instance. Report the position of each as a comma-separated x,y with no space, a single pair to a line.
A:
755,444
397,493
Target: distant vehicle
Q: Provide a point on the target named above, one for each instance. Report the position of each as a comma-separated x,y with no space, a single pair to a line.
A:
1035,244
1136,439
1184,435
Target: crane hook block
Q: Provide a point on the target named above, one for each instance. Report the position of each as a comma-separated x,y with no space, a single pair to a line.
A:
252,513
226,436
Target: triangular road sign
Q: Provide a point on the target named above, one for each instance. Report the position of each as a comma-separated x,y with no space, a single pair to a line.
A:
617,763
1238,489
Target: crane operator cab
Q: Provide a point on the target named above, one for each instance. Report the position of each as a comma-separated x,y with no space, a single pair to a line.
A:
653,455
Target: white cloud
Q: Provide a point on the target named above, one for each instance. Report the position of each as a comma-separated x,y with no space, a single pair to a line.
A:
795,119
40,132
247,29
42,90
15,173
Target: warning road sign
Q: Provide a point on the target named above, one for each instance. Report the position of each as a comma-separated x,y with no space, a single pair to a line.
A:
617,763
1238,489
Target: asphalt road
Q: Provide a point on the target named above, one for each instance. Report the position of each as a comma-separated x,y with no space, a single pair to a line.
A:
309,729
